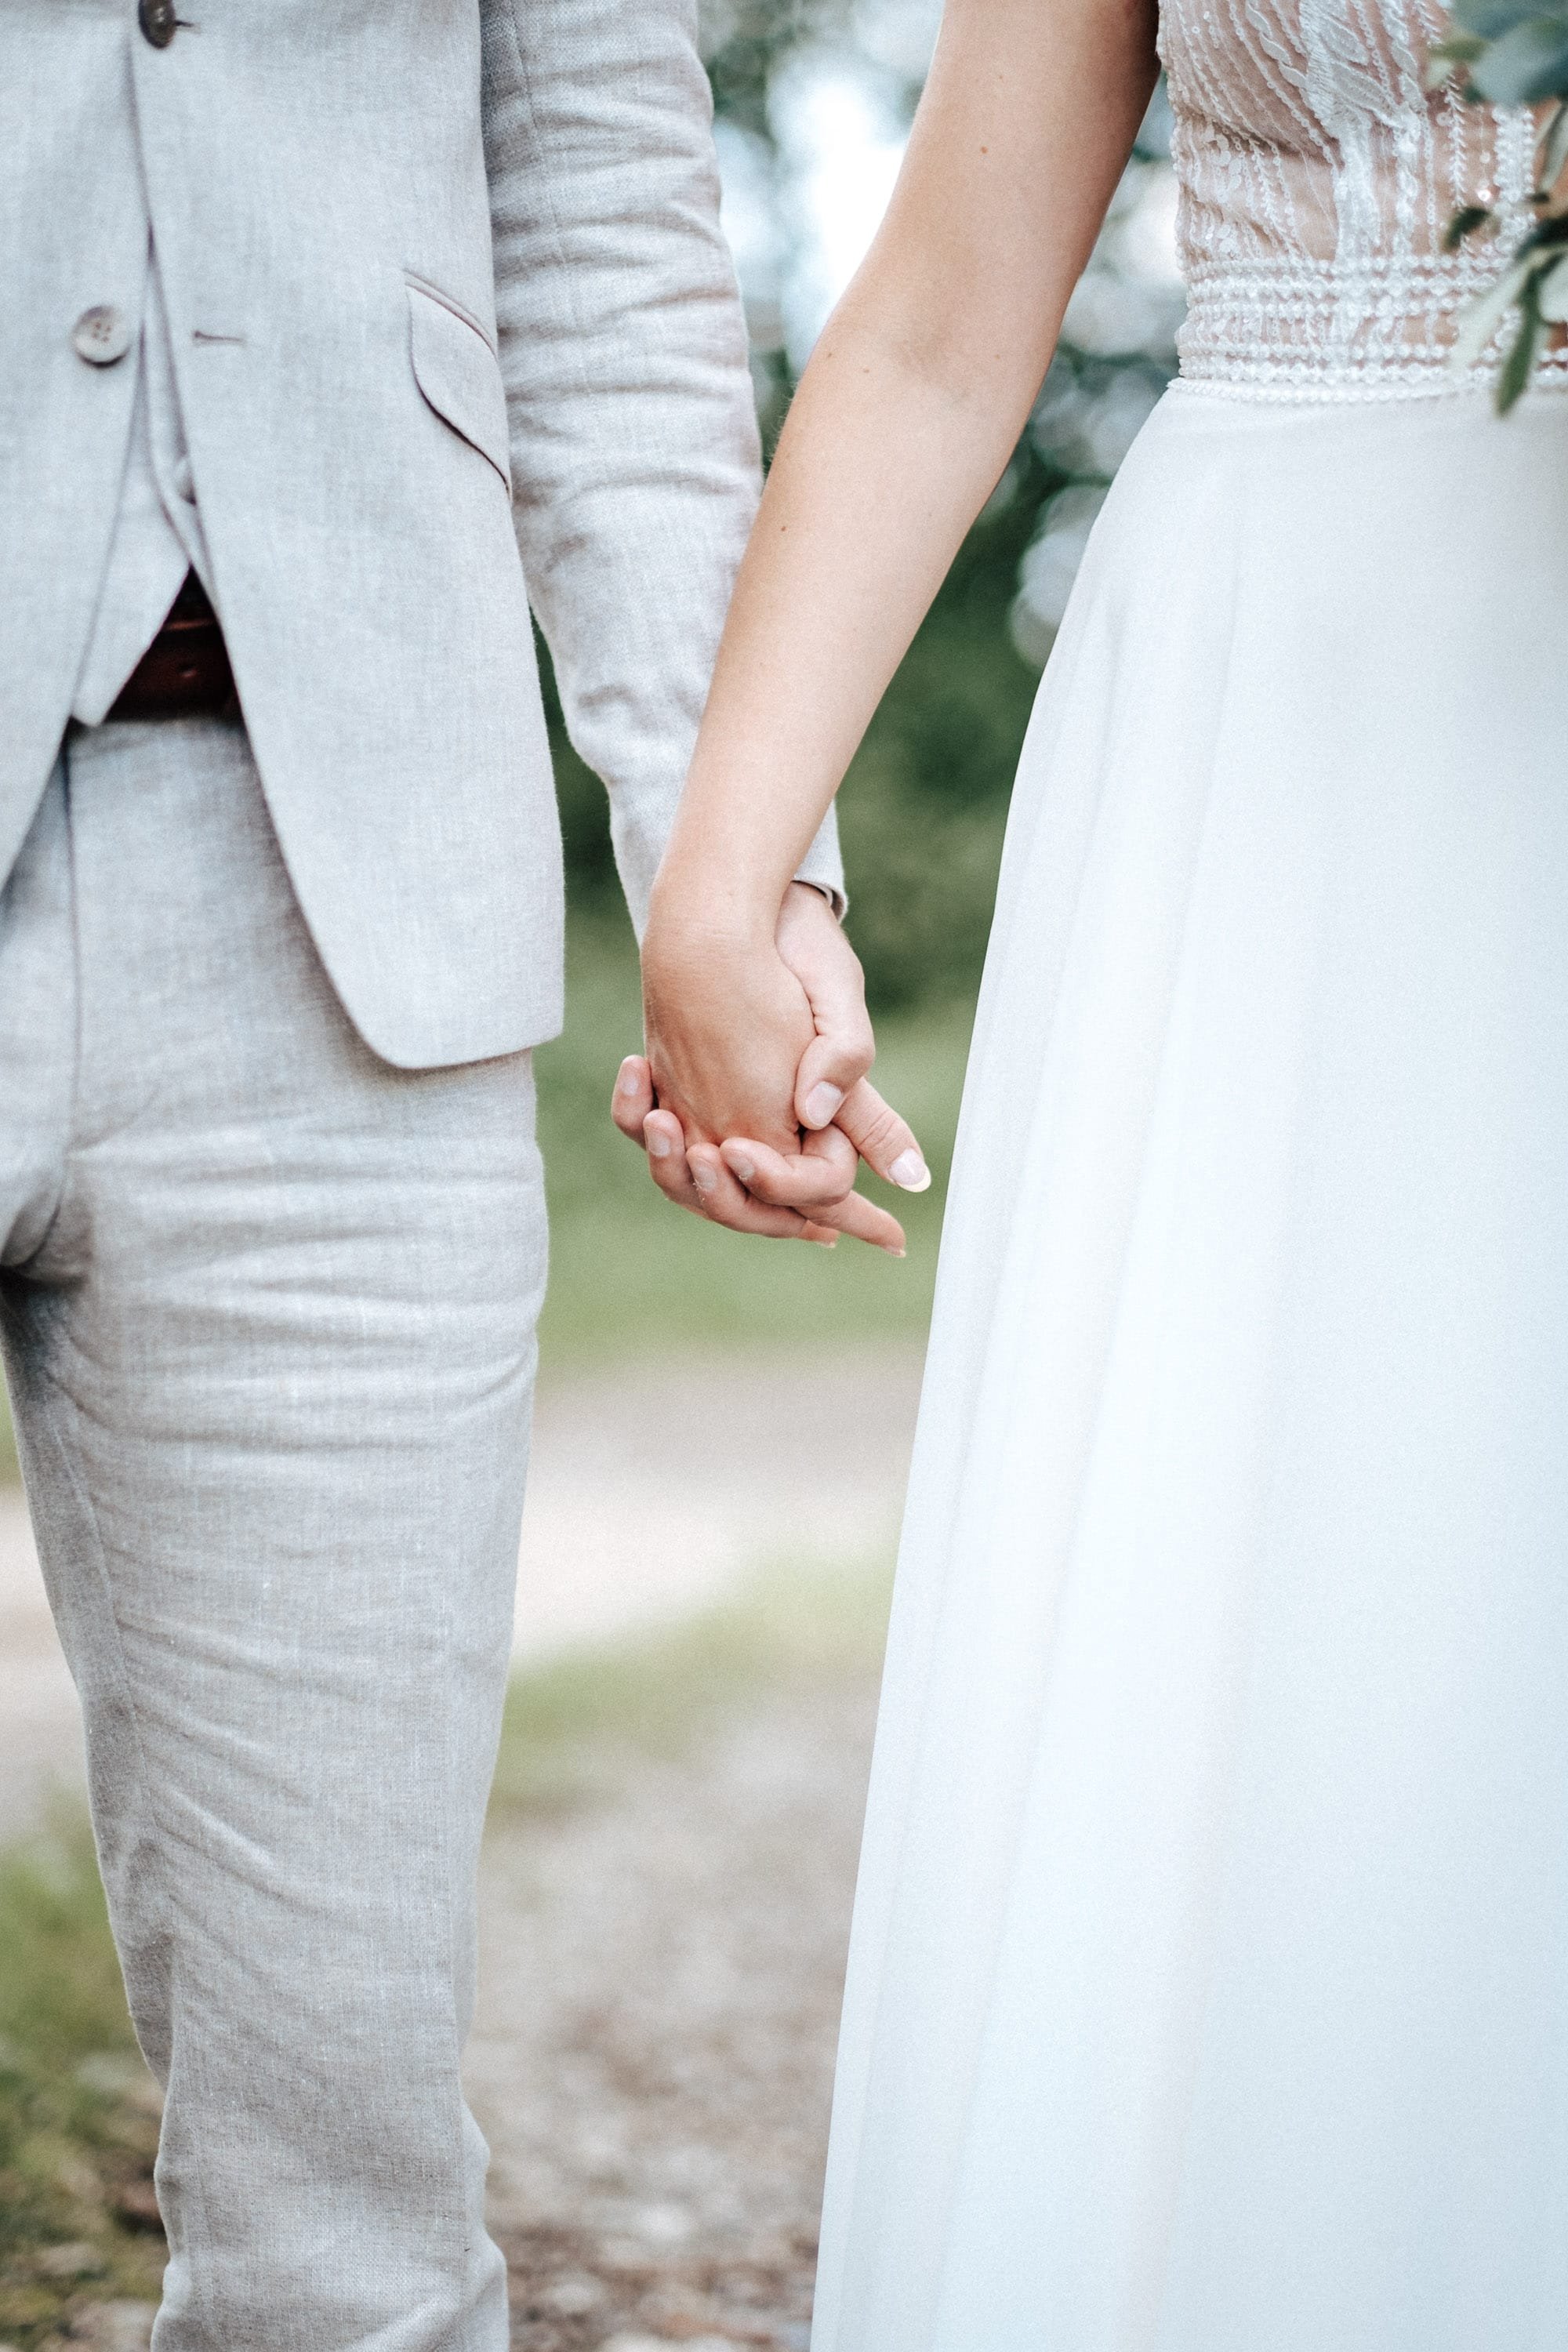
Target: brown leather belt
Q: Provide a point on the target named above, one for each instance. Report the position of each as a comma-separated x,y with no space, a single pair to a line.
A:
184,672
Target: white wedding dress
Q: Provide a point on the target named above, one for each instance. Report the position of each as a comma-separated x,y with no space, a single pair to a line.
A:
1209,1981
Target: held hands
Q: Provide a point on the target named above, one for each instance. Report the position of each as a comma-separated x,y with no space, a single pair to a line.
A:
751,1042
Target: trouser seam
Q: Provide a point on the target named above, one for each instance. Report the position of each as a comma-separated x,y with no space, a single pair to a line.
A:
458,1893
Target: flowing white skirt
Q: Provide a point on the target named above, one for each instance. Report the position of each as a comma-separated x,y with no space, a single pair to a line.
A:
1209,1987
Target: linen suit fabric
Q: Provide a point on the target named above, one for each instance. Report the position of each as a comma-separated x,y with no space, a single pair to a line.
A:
269,1309
403,252
157,533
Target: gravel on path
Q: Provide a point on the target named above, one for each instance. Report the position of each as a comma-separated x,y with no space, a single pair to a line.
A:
652,2060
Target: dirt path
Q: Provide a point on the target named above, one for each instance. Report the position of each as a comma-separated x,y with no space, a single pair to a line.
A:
653,2057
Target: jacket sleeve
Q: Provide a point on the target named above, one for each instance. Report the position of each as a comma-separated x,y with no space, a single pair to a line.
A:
634,436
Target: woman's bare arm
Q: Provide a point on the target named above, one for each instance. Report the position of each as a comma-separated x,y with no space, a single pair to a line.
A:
911,405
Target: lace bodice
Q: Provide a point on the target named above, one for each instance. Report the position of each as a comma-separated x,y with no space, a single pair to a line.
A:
1318,175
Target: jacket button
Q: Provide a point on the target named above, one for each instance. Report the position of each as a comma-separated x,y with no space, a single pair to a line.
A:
158,21
103,334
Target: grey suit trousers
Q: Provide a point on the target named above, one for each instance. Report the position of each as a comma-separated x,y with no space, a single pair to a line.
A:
269,1309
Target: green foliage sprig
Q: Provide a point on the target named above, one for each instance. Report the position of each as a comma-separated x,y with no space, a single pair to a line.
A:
1514,53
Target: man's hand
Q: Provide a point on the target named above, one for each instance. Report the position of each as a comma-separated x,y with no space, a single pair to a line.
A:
746,1048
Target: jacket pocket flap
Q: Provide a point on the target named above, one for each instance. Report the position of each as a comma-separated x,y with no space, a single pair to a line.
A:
460,376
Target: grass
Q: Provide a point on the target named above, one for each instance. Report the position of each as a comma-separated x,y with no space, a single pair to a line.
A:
78,2112
575,1724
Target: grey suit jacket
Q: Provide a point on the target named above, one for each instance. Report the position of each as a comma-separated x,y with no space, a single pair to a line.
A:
445,283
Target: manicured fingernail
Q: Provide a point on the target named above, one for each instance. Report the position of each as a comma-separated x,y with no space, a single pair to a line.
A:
888,1248
824,1241
822,1102
704,1177
630,1082
660,1146
910,1171
744,1169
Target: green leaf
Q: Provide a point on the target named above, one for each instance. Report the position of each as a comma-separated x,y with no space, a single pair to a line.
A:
1526,64
1522,358
1551,291
1480,322
1547,236
1552,152
1465,223
1458,49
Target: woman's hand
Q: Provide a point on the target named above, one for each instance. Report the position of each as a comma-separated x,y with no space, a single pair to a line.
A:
726,1024
750,1040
